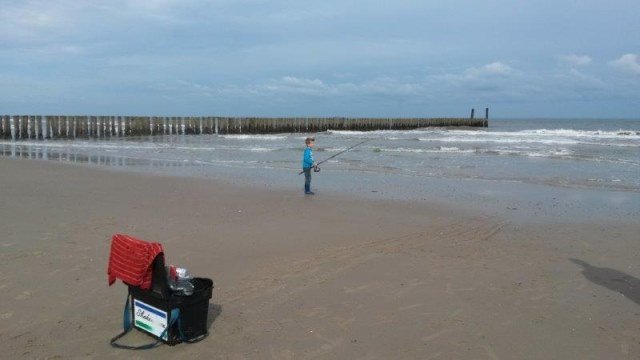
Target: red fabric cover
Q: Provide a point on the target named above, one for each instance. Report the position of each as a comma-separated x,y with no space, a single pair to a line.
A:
131,259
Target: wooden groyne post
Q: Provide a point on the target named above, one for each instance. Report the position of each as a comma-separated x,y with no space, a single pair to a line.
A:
37,127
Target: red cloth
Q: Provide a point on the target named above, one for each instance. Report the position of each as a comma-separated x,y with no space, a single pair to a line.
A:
131,260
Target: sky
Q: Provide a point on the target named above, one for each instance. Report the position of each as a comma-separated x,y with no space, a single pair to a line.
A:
535,58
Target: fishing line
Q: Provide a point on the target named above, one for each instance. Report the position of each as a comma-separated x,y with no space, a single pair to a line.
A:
317,169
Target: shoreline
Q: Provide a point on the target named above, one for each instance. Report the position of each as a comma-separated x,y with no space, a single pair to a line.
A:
513,200
329,277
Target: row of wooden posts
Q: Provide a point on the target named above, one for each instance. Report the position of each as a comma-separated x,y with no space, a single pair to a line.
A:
18,127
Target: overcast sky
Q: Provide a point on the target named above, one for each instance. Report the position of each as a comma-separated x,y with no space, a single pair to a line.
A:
535,58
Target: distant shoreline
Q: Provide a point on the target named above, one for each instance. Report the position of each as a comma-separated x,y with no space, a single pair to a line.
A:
511,200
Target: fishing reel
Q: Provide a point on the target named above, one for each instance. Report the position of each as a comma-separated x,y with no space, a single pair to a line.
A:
316,168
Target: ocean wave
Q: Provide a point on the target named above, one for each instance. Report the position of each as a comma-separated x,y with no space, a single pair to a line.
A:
549,153
626,134
227,148
503,140
347,132
623,145
442,149
538,133
254,137
385,134
496,151
257,149
217,162
571,134
452,149
332,149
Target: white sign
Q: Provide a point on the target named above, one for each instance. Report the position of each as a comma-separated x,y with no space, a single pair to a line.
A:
149,318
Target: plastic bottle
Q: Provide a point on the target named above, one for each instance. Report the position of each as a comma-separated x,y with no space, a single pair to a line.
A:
179,280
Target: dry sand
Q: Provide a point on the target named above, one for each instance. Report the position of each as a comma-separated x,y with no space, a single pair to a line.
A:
326,277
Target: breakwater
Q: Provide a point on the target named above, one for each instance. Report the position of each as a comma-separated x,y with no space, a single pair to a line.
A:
19,127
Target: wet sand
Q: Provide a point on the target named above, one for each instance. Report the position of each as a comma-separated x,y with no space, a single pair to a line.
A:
329,277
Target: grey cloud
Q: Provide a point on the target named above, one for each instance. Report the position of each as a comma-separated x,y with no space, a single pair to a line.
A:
628,63
575,60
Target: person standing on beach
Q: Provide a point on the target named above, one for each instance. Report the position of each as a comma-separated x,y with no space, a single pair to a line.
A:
308,164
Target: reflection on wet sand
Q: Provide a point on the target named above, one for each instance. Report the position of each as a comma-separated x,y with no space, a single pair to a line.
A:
17,150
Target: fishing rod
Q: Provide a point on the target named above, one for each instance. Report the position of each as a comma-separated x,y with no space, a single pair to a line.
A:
317,169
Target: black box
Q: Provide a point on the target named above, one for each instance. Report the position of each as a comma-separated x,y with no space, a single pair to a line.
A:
151,309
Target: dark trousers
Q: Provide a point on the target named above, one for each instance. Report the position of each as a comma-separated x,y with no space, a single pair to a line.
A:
307,179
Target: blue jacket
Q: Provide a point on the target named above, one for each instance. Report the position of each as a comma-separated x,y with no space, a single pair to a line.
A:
307,158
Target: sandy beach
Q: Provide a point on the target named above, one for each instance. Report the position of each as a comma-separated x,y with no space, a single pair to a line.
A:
325,277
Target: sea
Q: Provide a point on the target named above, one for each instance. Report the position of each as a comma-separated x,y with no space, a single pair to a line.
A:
590,168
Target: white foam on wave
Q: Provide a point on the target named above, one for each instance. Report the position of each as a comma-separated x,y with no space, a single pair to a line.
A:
621,138
216,162
623,145
383,134
626,134
442,149
228,148
535,135
452,149
621,133
254,137
257,149
562,152
347,132
548,153
503,140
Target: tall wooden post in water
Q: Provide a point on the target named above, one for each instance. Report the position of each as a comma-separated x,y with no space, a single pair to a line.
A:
486,117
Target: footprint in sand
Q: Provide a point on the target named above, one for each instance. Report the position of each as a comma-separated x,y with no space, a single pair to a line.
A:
25,295
6,315
349,290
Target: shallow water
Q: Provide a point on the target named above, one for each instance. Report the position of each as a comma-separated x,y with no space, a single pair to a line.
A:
598,155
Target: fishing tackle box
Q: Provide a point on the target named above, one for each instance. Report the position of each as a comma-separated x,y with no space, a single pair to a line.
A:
166,316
